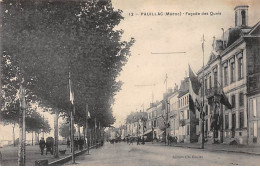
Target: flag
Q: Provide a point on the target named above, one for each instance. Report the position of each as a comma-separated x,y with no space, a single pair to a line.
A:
71,91
195,84
194,92
198,105
95,123
224,100
88,113
88,117
191,104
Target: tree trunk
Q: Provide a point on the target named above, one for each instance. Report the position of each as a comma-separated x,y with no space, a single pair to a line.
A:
21,143
84,135
13,135
32,138
56,141
78,130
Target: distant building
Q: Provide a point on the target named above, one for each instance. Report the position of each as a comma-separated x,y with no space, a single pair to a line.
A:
151,122
136,124
173,119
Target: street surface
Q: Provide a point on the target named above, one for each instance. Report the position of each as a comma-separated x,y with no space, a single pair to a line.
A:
156,154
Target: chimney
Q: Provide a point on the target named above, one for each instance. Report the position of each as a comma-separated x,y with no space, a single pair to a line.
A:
219,45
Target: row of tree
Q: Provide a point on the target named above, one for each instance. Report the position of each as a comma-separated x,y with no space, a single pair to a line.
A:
43,41
48,39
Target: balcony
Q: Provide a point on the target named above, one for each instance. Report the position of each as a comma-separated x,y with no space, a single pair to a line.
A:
212,92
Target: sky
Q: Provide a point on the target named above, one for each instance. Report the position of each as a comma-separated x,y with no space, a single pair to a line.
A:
166,34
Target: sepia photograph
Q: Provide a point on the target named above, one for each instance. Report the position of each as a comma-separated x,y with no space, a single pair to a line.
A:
130,83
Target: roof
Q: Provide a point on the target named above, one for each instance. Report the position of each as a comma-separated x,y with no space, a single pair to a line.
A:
184,87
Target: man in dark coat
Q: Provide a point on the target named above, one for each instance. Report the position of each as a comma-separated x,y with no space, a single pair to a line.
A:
49,145
42,145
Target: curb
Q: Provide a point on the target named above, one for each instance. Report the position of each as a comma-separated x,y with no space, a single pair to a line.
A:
68,158
223,150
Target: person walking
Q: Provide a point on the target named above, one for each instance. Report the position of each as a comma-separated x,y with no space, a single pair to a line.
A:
42,145
138,141
68,143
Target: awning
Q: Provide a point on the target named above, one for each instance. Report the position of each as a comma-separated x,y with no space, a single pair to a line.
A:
147,132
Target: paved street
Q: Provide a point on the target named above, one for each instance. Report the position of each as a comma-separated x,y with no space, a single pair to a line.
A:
156,154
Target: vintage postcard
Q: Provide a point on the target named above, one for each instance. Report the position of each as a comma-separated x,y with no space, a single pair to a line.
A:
130,83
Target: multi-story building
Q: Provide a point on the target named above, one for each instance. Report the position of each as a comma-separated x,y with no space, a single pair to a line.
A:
253,83
151,121
158,127
135,124
188,120
231,65
173,119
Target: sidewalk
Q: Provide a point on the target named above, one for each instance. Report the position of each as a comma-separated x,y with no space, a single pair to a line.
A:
247,149
10,155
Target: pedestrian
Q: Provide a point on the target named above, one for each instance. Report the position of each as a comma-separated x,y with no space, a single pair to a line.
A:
81,142
49,145
68,143
76,143
131,141
42,145
138,141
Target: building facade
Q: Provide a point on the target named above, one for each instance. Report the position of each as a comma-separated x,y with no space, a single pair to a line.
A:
173,119
228,70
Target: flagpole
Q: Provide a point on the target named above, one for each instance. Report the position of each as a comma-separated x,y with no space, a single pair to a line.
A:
87,136
203,93
72,113
72,134
166,109
95,133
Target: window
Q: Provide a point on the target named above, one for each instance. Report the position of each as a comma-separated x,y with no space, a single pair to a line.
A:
209,82
241,99
255,129
243,14
232,72
215,78
185,115
236,18
241,120
206,84
197,130
225,75
254,107
240,68
188,130
233,101
206,126
226,122
188,114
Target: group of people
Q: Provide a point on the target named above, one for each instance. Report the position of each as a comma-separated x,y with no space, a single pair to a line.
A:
130,140
48,144
78,143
